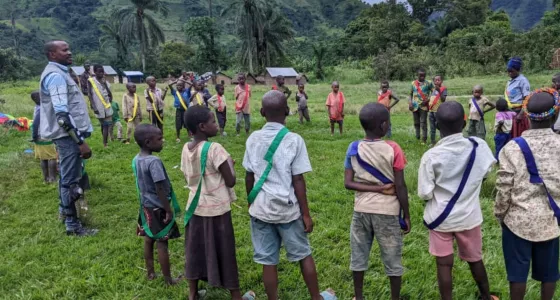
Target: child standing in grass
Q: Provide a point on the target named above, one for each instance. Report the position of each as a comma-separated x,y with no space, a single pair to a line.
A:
44,150
335,107
526,202
242,95
385,96
209,237
503,125
420,92
275,160
132,112
301,99
155,104
218,102
476,112
156,222
449,179
100,98
375,170
438,97
116,121
181,104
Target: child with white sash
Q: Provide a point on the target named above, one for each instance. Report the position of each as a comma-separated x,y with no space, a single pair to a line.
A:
275,162
132,112
526,202
450,178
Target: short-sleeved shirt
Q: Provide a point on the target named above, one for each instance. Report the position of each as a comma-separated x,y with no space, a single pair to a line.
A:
433,105
184,94
387,157
150,170
507,118
116,111
473,112
385,98
240,96
158,101
218,102
426,87
215,196
517,89
277,202
284,89
301,99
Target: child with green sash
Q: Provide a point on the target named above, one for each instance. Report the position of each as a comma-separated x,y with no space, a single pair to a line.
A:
156,221
275,161
209,237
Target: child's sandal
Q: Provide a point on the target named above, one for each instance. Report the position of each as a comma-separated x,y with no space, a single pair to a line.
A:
250,295
329,294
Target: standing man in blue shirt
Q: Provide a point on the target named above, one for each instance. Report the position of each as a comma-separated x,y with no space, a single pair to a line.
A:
65,120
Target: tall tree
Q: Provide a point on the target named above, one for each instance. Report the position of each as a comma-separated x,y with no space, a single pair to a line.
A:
111,35
423,9
142,26
203,30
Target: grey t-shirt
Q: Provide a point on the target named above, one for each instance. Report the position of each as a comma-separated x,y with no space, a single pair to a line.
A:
150,170
302,100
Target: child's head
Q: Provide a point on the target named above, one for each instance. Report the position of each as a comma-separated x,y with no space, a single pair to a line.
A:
36,97
501,105
438,80
556,82
198,85
335,86
421,74
220,89
514,67
450,118
98,71
275,107
542,108
477,91
384,86
151,82
241,78
149,137
374,118
301,87
180,85
280,80
200,121
131,87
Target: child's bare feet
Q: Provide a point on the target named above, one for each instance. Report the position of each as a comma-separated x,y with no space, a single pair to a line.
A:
172,281
152,276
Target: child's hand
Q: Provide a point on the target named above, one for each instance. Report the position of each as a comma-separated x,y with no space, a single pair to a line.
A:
410,107
389,190
408,226
308,223
168,217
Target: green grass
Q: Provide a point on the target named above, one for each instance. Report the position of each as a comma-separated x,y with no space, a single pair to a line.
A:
40,262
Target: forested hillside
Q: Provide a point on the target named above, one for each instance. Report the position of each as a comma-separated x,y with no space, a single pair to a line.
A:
524,14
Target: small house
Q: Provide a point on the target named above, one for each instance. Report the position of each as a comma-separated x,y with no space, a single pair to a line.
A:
290,75
110,74
223,79
133,76
555,60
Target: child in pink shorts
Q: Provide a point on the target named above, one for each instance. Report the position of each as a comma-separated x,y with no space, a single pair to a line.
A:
449,179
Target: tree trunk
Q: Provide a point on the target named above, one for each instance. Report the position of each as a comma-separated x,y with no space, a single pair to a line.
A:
140,25
14,35
212,47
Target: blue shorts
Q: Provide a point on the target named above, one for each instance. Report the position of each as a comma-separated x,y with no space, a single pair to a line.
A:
518,254
267,240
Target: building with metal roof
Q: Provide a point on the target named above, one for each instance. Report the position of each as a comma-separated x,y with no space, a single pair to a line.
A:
291,77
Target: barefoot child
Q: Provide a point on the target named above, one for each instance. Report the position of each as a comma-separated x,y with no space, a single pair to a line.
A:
385,96
526,203
209,237
476,112
438,97
503,125
182,101
155,102
379,199
44,150
218,102
100,98
242,97
116,121
449,179
335,107
420,93
301,99
277,197
132,112
156,222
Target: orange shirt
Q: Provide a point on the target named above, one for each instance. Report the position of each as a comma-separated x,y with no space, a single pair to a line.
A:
335,103
385,98
242,99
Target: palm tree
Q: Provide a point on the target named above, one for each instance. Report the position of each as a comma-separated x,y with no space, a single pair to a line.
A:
142,26
277,29
112,36
319,52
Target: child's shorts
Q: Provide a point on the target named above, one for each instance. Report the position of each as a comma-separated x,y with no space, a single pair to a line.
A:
469,243
387,231
518,254
268,238
155,218
45,151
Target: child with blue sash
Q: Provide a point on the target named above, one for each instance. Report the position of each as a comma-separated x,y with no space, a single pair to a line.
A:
477,110
450,177
158,205
374,168
209,236
526,202
275,162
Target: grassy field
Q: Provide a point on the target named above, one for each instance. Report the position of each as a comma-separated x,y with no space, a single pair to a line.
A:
40,262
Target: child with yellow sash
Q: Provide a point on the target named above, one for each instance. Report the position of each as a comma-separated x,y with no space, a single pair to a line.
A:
132,112
198,94
182,101
100,98
209,236
155,105
44,150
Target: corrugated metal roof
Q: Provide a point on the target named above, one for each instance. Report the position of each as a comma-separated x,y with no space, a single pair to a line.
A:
133,73
79,70
286,72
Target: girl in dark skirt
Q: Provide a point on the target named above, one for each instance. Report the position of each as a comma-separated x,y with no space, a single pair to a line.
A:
209,237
